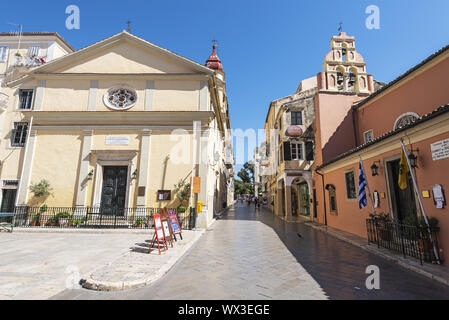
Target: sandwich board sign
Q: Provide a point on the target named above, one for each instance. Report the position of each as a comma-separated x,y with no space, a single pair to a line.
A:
174,224
167,232
158,233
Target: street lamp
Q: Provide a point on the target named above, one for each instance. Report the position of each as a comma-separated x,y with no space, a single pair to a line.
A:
413,158
375,168
134,175
90,175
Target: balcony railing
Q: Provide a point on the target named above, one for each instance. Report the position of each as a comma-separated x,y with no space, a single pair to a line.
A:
27,61
93,217
410,241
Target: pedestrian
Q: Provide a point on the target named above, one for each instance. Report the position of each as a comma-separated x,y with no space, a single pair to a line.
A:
255,203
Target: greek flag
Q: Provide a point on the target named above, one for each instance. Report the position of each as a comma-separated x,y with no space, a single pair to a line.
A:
362,185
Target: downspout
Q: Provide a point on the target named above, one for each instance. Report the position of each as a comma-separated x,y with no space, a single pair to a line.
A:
324,197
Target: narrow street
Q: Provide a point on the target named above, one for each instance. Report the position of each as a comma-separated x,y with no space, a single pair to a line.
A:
251,254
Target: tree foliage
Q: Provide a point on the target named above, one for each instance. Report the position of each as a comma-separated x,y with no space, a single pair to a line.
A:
41,189
182,191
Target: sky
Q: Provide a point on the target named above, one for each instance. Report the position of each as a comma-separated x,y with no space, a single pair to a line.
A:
267,47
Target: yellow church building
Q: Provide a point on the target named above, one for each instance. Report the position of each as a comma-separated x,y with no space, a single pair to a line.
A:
113,127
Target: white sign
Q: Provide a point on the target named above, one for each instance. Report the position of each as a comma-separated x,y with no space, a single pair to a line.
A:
440,150
117,140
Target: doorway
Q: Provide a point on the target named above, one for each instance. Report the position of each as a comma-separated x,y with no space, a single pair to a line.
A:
403,201
304,205
294,196
8,200
114,189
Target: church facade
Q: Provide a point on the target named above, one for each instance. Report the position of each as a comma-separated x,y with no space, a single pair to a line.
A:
117,125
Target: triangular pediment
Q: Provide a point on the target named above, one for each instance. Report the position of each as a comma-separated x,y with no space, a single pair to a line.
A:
123,53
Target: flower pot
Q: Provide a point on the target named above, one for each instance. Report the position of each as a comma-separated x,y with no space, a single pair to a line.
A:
34,223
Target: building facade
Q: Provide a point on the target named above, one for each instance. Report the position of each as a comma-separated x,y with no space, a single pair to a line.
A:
414,108
116,125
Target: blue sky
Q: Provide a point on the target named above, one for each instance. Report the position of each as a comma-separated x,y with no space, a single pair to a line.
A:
267,47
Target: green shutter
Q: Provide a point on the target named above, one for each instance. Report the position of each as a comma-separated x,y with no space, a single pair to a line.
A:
309,151
287,151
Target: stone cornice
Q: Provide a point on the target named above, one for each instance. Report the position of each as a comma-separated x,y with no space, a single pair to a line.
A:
132,119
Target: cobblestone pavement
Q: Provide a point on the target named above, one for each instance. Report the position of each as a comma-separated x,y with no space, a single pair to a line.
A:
251,254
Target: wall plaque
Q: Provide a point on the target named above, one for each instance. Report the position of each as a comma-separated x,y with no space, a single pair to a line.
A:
440,150
117,140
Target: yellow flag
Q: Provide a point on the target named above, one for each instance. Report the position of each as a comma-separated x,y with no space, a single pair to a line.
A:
403,170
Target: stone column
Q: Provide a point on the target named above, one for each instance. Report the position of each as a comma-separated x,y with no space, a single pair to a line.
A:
81,193
288,196
92,103
143,169
149,92
203,172
22,193
39,97
204,95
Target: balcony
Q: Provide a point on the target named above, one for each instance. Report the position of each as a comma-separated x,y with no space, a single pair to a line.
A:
28,62
4,98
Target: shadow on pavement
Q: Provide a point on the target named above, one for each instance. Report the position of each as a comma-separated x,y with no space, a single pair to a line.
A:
339,267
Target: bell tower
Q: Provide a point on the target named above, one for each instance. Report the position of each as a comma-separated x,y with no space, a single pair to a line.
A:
344,68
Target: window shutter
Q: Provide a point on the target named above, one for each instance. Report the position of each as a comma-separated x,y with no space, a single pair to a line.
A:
287,151
309,151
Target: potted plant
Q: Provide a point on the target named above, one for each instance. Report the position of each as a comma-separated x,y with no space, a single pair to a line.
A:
140,222
43,217
35,220
52,221
383,225
63,218
182,192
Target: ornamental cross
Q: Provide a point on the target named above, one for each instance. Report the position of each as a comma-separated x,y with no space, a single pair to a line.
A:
340,28
129,26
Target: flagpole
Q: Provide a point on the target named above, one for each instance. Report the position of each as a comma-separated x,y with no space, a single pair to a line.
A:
367,185
435,251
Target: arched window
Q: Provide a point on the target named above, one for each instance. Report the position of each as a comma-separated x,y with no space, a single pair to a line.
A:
405,119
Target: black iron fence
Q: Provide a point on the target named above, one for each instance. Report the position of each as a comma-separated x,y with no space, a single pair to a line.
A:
410,241
93,217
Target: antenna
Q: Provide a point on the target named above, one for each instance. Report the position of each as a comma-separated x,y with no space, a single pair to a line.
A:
20,33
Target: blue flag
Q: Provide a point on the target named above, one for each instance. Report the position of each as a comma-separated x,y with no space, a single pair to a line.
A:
362,185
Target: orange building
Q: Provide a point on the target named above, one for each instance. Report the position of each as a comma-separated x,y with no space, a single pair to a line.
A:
413,107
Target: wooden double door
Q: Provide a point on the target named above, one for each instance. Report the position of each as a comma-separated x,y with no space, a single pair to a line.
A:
114,190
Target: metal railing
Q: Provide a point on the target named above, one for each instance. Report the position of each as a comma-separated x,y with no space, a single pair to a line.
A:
93,217
410,241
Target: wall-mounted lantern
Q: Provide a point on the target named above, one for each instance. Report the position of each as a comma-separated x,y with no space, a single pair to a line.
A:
134,175
90,175
413,158
375,168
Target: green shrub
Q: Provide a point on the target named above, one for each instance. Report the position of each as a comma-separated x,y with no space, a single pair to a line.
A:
182,209
41,189
63,215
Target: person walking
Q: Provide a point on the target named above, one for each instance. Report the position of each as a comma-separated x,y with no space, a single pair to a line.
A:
255,202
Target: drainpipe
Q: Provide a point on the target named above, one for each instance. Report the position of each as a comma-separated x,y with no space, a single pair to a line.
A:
324,197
